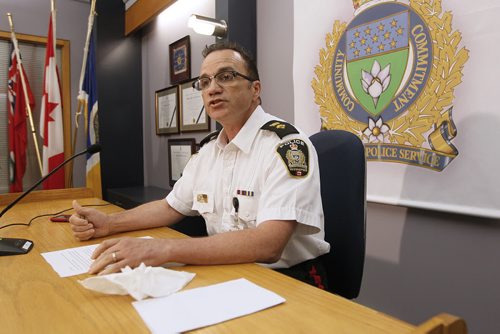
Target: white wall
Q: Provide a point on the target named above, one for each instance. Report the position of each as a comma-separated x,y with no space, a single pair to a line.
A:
274,57
419,262
170,26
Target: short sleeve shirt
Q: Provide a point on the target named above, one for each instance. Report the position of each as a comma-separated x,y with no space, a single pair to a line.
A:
240,184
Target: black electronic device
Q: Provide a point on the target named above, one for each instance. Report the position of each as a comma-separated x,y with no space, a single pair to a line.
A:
14,246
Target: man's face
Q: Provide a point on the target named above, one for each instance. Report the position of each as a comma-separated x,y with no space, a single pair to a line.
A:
233,103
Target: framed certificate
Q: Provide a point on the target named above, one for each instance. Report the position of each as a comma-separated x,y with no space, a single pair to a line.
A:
179,153
193,115
180,60
167,110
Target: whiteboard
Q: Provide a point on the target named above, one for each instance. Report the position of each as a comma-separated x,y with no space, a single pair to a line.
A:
471,183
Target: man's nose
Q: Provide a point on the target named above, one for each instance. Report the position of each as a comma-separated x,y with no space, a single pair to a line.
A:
213,86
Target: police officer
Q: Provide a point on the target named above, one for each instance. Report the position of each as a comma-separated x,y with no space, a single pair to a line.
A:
255,182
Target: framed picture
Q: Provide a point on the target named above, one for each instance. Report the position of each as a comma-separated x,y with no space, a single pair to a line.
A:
179,153
180,60
167,110
193,116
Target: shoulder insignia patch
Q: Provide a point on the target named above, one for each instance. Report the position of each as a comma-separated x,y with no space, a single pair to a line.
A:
295,155
282,129
211,136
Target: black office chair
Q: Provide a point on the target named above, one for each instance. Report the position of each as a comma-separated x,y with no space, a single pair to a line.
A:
342,165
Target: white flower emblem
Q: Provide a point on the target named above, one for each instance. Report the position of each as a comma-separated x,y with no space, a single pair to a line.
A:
376,130
376,82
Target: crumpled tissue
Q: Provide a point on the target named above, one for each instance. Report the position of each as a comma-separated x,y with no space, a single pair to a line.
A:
140,282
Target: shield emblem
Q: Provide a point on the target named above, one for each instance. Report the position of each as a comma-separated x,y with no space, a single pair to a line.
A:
377,58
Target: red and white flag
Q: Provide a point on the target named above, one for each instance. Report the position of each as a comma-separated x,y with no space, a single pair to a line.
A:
16,106
51,118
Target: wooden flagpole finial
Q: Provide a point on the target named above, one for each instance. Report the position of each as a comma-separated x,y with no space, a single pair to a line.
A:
11,23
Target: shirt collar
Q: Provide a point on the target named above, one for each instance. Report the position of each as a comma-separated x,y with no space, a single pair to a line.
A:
248,132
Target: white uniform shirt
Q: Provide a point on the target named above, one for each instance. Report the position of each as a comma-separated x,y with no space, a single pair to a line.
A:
250,169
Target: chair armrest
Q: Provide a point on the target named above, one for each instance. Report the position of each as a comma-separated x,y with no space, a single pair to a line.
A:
442,323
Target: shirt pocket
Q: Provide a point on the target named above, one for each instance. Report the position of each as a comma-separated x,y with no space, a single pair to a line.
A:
247,211
203,201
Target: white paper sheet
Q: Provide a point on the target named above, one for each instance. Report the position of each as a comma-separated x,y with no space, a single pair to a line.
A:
200,307
72,261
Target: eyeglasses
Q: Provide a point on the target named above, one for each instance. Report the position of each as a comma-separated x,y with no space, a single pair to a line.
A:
223,78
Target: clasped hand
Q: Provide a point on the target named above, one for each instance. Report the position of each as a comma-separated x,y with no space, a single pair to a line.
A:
88,223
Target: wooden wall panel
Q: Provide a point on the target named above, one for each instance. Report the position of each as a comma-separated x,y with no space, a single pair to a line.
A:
143,11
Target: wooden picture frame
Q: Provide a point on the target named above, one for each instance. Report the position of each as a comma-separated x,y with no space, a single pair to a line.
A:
167,110
193,116
180,60
179,153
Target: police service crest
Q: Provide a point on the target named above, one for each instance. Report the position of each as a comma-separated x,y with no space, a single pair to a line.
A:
295,156
388,76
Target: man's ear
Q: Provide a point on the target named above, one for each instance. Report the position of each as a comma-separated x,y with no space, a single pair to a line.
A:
256,89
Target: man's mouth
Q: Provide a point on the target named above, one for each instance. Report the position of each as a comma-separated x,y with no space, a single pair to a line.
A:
216,102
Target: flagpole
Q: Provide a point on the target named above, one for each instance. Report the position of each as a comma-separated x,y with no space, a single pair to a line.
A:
26,97
53,14
54,48
81,98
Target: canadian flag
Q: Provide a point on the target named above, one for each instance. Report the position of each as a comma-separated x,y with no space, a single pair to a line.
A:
51,120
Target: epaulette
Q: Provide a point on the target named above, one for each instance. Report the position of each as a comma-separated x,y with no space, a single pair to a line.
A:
211,136
282,129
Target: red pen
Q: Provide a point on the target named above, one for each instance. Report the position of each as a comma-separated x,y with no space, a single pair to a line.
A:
60,218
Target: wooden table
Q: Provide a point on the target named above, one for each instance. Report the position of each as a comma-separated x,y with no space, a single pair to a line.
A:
34,299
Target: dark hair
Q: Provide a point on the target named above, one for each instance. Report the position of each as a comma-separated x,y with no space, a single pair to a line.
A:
247,56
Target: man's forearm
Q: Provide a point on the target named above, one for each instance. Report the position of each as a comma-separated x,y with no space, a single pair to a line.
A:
149,215
263,244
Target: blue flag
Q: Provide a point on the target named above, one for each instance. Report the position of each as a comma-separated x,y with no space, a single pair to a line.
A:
93,179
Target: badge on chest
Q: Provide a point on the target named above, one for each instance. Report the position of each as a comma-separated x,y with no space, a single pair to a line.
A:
202,198
203,201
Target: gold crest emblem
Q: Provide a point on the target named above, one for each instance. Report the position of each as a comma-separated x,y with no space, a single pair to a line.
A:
389,76
202,198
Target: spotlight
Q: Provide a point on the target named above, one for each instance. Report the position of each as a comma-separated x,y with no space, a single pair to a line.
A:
208,26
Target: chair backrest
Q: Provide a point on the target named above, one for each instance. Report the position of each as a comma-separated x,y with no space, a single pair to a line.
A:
342,165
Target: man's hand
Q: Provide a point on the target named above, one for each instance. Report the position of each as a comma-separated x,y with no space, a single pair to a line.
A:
88,223
127,252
